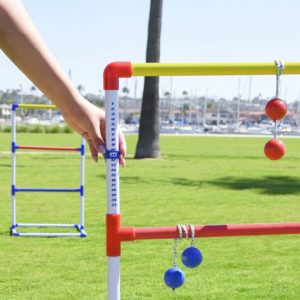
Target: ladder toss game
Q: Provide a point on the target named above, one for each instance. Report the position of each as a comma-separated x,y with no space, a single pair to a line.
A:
115,232
15,189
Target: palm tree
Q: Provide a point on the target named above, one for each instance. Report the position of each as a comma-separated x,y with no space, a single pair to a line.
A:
167,95
125,91
80,88
185,94
33,89
167,106
148,141
185,107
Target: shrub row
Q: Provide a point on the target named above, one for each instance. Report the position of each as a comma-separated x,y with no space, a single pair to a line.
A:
39,129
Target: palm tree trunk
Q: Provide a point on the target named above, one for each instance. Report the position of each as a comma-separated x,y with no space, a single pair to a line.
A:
148,141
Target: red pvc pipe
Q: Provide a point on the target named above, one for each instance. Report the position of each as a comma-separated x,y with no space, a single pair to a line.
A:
116,234
113,72
146,233
47,148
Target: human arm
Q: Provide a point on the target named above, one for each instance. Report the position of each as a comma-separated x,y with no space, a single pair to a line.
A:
21,42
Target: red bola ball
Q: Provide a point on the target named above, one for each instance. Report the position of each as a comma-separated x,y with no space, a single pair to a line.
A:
274,149
276,109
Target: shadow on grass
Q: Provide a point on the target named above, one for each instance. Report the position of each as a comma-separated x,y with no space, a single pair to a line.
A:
271,185
134,180
210,156
18,166
5,165
129,179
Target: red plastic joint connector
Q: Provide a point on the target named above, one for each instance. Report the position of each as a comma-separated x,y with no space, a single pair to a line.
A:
115,234
113,72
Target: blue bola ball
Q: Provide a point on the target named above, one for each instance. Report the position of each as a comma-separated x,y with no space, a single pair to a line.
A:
174,278
191,257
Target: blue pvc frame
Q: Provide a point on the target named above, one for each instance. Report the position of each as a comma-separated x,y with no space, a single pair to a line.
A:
80,227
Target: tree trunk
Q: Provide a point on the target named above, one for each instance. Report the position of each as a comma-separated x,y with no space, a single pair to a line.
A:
148,141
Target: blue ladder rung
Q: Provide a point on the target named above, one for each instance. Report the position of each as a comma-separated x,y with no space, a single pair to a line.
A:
79,190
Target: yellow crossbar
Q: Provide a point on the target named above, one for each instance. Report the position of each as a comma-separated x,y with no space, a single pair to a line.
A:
37,106
207,69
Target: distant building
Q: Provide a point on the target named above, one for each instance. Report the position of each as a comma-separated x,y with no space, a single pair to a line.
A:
5,111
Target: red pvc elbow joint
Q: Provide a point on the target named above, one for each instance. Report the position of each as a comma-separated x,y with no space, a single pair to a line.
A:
115,234
113,72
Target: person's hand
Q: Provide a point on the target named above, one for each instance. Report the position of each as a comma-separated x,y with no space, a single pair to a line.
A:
89,121
21,42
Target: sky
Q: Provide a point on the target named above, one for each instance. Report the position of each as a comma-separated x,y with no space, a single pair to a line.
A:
86,35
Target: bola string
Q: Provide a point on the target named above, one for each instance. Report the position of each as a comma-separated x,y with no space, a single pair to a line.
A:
279,70
191,257
179,228
192,228
184,229
276,109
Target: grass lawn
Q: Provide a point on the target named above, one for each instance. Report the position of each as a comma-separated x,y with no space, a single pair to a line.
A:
198,180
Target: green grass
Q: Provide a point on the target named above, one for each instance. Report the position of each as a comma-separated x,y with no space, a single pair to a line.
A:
198,180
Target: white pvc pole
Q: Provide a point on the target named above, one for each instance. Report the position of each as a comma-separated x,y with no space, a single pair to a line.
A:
45,225
112,186
82,185
13,165
113,273
13,193
112,143
49,234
